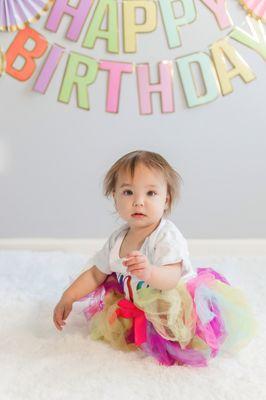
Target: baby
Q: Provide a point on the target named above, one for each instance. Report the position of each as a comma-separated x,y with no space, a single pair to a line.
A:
144,293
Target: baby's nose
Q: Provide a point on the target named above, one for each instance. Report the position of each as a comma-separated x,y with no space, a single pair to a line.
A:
138,202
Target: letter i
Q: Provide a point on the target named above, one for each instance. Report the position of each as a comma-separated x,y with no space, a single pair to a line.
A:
48,69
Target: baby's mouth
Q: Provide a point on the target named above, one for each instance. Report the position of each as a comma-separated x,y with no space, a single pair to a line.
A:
138,215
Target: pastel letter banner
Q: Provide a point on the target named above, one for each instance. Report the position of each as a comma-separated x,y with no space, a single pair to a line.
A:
172,23
222,49
256,41
17,49
78,14
115,69
219,9
48,69
131,28
71,78
164,87
208,75
108,7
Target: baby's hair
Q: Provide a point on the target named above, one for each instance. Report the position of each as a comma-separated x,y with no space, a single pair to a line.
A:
150,160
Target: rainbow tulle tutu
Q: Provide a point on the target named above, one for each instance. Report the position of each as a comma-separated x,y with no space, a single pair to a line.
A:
187,325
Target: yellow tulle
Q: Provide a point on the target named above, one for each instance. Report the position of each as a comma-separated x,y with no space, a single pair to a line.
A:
170,312
106,326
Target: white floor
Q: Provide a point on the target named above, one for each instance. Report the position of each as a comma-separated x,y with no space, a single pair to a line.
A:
38,362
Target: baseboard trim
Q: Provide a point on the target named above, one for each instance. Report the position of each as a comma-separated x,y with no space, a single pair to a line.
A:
197,247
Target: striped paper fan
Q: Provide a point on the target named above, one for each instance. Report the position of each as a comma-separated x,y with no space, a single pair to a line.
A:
16,14
256,8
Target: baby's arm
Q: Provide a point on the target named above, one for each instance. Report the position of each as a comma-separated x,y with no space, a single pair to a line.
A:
166,276
162,277
84,284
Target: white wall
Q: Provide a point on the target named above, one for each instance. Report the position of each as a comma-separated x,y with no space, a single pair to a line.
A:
53,156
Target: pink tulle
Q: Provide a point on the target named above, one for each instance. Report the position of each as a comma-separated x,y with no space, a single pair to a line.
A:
213,332
96,297
168,352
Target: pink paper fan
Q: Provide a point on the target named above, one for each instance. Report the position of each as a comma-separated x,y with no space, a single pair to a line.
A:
16,14
256,8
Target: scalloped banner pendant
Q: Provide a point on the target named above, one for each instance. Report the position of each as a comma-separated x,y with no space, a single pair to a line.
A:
256,8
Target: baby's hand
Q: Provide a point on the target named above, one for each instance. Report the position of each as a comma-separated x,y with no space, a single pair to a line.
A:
138,264
61,312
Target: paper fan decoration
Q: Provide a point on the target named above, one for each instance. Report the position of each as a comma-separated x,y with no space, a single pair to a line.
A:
256,8
16,14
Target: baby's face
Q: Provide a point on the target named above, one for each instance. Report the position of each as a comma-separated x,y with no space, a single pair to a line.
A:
141,200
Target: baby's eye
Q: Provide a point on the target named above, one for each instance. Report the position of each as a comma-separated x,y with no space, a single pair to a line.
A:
152,193
127,192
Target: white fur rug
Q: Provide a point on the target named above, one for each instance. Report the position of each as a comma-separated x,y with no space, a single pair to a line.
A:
38,362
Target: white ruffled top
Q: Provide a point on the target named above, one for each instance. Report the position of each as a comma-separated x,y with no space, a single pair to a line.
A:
165,245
